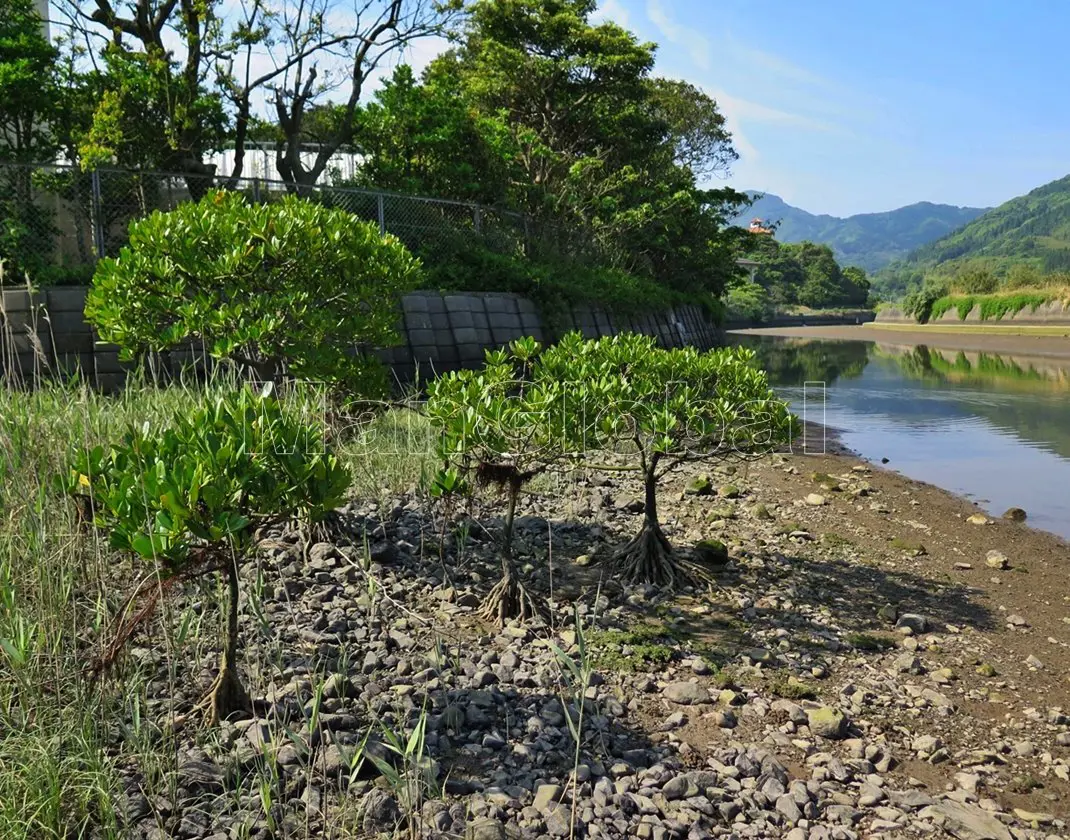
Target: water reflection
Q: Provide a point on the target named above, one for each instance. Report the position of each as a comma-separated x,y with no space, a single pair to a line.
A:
995,427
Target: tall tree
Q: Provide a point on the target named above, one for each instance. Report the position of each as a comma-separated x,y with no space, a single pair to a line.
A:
591,142
29,105
29,94
566,91
695,127
424,138
191,71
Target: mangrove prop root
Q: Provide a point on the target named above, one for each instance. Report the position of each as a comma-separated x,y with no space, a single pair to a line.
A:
227,697
508,600
649,558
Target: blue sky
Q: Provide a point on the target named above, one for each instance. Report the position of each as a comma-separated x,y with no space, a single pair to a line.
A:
854,106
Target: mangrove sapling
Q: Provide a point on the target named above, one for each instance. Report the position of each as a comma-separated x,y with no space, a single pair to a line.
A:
670,407
190,499
495,428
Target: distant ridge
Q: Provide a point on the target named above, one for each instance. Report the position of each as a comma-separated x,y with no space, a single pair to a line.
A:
868,240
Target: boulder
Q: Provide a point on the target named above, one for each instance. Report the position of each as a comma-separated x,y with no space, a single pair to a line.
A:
827,722
686,693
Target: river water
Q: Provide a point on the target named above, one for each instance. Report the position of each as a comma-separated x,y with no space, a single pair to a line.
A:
994,428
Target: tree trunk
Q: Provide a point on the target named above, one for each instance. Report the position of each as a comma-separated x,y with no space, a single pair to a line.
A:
227,696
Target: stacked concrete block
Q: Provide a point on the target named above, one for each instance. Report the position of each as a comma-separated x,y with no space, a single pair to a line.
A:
46,333
468,324
503,318
25,342
72,338
530,323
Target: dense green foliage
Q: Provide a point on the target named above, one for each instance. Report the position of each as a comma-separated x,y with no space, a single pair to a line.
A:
991,307
290,286
545,111
529,409
29,98
868,240
802,274
538,107
1030,233
190,496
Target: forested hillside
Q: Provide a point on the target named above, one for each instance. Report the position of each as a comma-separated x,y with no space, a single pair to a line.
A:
1031,231
868,240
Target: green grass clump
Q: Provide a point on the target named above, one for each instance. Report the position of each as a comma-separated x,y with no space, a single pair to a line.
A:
909,546
994,307
869,642
647,644
793,688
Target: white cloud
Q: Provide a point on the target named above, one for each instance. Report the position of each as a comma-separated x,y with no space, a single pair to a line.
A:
751,111
696,45
612,10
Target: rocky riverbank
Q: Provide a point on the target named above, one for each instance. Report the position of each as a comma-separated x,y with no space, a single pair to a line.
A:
877,659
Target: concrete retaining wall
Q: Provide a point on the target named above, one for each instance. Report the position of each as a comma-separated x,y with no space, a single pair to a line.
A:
1056,314
46,333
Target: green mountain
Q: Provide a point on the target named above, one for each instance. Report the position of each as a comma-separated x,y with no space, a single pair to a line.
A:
1033,228
868,240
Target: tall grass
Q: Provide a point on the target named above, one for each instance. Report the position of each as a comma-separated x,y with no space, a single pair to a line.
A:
63,738
55,593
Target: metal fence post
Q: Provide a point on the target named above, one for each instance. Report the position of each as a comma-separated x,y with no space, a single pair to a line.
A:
256,190
477,218
382,215
98,221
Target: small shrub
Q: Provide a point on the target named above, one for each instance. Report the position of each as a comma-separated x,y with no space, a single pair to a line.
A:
189,498
502,426
287,287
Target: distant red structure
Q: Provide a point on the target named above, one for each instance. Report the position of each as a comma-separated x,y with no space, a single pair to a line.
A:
758,226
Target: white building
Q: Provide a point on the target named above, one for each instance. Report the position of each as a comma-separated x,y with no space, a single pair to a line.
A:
260,163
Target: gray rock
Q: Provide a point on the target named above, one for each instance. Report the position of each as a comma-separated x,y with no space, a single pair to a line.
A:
686,693
997,560
485,829
680,787
966,822
559,821
916,623
908,663
545,796
380,810
926,744
789,808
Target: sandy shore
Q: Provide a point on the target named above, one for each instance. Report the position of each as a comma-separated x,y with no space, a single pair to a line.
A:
1052,347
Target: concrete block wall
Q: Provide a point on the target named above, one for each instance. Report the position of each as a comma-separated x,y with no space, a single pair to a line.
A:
46,333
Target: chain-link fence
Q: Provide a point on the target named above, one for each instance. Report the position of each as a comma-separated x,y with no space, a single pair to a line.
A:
56,221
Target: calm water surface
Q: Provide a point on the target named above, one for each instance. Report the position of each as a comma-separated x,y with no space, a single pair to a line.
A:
995,428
